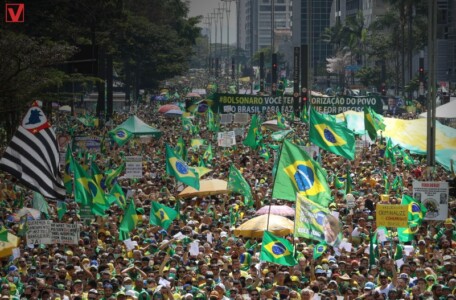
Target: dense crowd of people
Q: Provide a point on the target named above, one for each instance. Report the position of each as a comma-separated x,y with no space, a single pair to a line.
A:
100,267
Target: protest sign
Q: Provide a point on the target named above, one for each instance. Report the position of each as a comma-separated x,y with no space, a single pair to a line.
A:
226,139
392,215
434,196
133,167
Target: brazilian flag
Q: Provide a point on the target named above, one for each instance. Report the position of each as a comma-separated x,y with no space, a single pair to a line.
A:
281,121
405,234
238,184
117,195
372,122
319,250
298,173
331,136
96,173
130,219
178,168
252,138
112,174
161,215
120,135
61,209
181,149
245,259
416,210
277,250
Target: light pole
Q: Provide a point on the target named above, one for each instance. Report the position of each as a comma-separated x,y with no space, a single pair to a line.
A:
228,11
214,17
220,15
208,24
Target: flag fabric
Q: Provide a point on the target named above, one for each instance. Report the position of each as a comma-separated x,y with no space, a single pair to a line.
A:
405,234
130,218
251,139
304,115
32,156
389,153
372,122
176,167
207,156
211,125
238,184
386,183
406,158
181,149
397,183
278,136
40,204
398,254
111,176
416,210
162,215
116,195
187,123
331,136
313,221
3,234
264,153
96,173
281,121
61,209
67,178
87,192
277,250
337,183
319,250
121,136
196,143
298,173
103,144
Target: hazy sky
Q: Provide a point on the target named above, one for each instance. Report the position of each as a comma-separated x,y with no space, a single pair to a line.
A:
205,7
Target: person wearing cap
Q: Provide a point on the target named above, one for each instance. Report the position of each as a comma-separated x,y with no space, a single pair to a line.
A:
384,286
403,284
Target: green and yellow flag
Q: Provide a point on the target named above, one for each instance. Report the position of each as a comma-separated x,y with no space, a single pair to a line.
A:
372,122
187,123
319,250
238,184
121,136
207,156
277,250
117,196
331,136
96,173
181,149
61,209
298,173
162,215
416,210
3,234
176,167
112,174
281,121
130,218
88,192
278,136
196,143
251,139
304,114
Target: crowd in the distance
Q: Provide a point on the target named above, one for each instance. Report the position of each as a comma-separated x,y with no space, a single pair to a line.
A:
227,267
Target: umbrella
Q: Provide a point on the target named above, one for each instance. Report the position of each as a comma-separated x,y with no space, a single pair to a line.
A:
168,107
279,210
173,113
207,187
6,248
255,227
65,108
193,95
272,125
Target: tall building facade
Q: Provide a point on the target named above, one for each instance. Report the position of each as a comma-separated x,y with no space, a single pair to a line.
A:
256,23
312,25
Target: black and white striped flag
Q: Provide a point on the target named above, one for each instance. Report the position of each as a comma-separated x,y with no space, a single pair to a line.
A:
32,155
